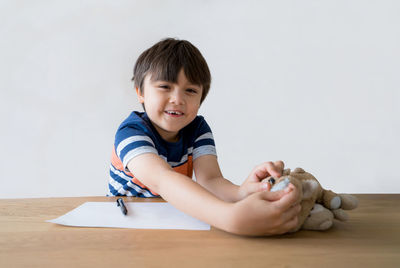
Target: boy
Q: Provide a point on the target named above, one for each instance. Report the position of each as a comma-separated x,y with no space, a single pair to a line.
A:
155,152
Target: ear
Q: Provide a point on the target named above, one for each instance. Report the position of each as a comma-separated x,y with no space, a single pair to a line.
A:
139,95
309,188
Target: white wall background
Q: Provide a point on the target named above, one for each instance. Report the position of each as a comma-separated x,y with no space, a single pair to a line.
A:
314,83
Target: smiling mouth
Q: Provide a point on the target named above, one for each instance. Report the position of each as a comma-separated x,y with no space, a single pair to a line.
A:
174,113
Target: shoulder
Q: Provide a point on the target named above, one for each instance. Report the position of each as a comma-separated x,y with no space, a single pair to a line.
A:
137,124
134,137
135,120
198,126
202,138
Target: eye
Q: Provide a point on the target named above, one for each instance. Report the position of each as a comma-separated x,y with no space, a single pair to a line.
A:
271,181
163,86
191,90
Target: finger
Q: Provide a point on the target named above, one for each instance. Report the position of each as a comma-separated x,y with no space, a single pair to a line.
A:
264,186
290,198
274,170
260,174
262,171
279,165
290,213
257,187
291,224
265,170
272,196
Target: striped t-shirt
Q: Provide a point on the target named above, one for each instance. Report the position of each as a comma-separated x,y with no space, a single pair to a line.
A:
136,136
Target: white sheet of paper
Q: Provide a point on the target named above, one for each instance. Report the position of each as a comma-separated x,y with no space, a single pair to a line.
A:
141,215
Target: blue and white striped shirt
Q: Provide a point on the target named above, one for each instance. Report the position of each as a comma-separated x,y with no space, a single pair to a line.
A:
136,135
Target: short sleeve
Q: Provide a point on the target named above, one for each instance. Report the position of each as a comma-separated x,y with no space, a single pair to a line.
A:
131,142
204,141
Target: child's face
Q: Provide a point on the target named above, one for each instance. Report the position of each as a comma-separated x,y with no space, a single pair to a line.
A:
170,106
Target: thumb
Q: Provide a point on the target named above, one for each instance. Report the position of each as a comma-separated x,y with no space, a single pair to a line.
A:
274,196
255,187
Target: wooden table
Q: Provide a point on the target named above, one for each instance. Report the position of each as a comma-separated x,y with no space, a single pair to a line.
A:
371,238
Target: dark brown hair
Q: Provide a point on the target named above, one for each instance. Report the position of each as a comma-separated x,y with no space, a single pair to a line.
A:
165,59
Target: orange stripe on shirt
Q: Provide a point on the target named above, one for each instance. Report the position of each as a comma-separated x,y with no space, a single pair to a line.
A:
185,169
117,163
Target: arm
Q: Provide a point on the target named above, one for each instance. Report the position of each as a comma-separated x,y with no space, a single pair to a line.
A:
208,174
263,213
179,190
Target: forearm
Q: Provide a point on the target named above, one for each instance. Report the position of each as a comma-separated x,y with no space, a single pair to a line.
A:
191,198
222,188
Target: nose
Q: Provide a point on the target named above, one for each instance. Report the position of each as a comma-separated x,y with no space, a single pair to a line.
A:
177,97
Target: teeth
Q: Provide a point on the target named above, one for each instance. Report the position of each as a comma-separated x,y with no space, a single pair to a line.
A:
173,112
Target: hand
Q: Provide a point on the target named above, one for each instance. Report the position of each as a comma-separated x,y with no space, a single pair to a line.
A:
253,182
266,213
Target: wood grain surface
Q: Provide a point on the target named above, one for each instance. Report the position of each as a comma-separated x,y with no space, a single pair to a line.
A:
371,238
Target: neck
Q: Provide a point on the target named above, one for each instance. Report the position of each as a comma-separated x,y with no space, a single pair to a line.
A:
170,137
167,136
